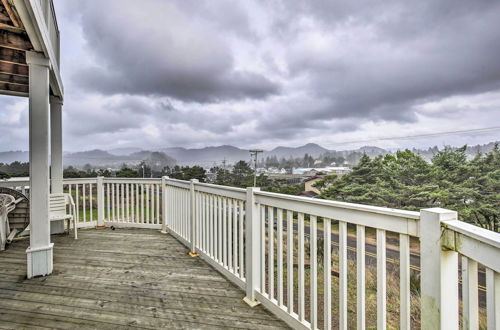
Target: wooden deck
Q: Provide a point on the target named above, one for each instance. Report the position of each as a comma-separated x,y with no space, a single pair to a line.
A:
127,278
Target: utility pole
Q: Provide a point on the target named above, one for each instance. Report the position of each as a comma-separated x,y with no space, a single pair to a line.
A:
224,176
254,153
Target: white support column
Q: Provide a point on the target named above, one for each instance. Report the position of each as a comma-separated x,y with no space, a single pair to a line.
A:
56,156
253,246
100,203
193,217
39,253
439,272
164,226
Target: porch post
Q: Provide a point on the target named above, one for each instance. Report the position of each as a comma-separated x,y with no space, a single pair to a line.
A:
438,272
164,210
56,156
252,252
39,253
100,203
193,215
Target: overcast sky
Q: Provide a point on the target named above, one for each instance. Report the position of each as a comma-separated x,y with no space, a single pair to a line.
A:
194,73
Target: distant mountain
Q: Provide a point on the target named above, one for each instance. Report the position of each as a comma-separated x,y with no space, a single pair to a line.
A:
103,158
94,157
207,156
215,155
156,159
311,149
12,156
124,151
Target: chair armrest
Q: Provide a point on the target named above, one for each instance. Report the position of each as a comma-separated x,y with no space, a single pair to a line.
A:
71,202
69,199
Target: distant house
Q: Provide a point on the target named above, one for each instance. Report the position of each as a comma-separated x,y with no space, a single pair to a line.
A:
309,184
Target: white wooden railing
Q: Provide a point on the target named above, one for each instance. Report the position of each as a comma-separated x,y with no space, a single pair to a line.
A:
132,202
210,219
272,208
282,251
110,201
84,194
476,248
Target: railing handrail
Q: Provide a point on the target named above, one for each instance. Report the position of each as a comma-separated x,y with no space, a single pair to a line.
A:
480,234
400,221
177,183
353,206
217,186
79,180
476,243
226,191
131,180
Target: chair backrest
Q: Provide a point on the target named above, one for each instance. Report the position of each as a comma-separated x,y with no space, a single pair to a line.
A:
19,210
57,205
6,200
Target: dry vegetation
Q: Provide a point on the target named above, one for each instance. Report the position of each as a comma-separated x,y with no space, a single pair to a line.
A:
393,292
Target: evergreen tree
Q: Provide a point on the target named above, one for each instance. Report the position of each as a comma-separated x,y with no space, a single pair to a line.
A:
405,180
242,175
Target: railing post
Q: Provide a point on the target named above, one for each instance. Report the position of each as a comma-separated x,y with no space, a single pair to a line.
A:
252,249
100,202
164,218
439,272
192,215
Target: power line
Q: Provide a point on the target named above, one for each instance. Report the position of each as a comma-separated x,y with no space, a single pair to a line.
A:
409,137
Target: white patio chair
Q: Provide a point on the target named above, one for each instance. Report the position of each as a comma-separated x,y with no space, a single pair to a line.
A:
58,210
7,204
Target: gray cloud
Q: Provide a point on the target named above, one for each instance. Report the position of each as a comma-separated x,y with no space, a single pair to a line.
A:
172,51
195,73
381,58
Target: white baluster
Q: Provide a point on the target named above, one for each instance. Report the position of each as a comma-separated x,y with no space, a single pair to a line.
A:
270,254
343,275
404,282
301,277
381,280
314,271
327,261
360,277
289,255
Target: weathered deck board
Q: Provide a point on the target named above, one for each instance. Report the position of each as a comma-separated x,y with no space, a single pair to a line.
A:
127,278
